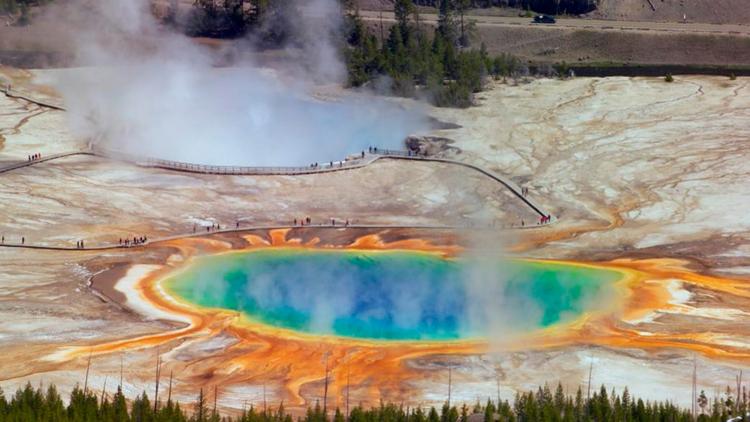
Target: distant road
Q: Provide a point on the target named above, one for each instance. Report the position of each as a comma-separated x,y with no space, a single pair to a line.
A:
590,24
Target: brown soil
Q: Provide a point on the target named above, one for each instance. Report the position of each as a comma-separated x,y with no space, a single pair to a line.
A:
714,11
554,44
620,47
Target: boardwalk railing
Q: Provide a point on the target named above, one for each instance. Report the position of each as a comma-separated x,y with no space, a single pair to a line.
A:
349,163
512,186
27,163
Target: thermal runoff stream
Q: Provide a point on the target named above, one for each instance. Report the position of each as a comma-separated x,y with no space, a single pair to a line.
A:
391,295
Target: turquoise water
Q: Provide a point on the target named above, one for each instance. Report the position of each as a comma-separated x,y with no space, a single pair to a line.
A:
392,295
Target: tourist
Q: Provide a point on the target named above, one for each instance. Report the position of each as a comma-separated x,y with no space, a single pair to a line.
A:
23,240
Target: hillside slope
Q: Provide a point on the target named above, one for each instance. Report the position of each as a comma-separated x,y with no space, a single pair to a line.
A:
713,11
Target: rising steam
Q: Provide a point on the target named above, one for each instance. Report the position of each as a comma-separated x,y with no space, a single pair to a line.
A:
395,295
146,90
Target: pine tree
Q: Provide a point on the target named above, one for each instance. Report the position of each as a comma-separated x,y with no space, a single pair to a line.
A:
402,9
119,407
446,22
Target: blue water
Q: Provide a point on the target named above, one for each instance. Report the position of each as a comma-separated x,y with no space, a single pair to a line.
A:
393,295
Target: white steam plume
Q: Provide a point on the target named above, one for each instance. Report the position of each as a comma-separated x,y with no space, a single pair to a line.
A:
149,91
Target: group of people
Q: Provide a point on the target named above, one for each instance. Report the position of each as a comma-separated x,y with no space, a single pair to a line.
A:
128,242
308,221
303,221
34,157
524,191
545,219
214,227
79,245
330,164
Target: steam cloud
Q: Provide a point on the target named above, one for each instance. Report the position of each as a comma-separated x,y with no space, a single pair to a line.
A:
146,90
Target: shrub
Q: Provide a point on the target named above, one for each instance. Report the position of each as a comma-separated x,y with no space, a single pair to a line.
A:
669,78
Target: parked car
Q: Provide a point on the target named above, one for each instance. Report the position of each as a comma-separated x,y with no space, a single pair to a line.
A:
544,19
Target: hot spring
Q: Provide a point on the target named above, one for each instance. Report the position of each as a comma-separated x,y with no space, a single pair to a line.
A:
391,295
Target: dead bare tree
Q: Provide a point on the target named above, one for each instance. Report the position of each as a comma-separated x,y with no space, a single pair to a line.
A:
158,375
325,389
450,381
695,385
738,379
120,386
216,397
169,393
86,379
104,390
347,392
591,369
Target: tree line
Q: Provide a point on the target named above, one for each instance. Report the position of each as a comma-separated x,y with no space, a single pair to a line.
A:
20,8
443,66
269,19
31,404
